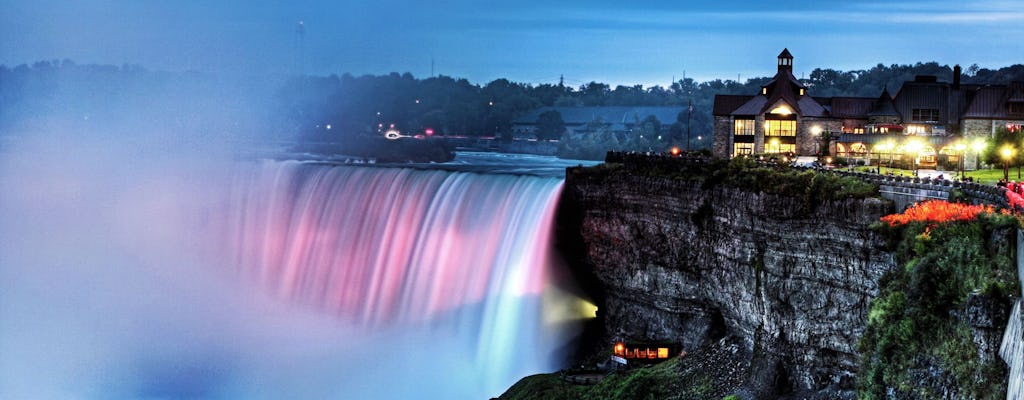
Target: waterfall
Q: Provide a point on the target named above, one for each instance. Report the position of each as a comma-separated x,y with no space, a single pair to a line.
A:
460,257
1012,348
185,277
1012,351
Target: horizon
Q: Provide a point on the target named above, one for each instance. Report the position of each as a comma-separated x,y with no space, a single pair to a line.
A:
531,42
800,75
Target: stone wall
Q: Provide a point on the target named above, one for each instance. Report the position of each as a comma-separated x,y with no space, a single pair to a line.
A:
691,264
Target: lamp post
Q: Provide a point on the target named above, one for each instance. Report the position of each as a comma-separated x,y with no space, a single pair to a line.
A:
978,145
914,147
1006,152
961,149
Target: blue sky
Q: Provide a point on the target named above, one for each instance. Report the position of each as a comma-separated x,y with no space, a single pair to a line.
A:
526,41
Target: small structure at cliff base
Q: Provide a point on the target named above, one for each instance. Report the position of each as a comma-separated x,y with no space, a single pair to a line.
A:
644,352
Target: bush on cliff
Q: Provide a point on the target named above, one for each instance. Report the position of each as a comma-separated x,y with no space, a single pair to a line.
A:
917,340
747,174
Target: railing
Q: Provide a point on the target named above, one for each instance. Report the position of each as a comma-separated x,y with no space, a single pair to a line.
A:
891,187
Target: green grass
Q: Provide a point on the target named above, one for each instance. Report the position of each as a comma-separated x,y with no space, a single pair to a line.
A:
655,382
985,176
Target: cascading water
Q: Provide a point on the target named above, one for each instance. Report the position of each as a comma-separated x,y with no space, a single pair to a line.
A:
458,255
1012,348
173,276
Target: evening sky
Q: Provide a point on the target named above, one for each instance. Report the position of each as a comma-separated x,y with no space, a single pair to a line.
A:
532,41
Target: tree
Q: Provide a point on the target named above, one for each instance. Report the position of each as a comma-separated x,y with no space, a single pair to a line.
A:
550,125
1005,138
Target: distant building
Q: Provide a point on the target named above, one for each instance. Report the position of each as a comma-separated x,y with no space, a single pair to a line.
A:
785,118
617,119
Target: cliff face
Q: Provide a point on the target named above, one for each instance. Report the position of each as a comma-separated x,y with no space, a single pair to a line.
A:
678,262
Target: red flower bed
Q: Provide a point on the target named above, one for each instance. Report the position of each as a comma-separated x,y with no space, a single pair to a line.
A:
1013,194
937,211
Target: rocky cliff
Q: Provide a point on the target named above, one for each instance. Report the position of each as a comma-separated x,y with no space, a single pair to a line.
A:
681,260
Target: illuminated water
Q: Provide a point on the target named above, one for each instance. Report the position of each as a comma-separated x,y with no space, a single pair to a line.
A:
175,278
1012,348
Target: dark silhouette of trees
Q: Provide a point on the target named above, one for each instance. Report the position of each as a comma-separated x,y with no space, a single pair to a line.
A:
365,105
550,125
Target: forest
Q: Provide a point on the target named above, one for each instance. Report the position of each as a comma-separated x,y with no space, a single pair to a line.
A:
326,108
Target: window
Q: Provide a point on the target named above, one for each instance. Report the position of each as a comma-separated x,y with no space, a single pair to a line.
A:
742,148
924,114
1015,107
858,130
774,127
916,130
776,147
743,127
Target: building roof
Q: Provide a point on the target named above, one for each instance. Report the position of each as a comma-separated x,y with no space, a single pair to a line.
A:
725,104
613,114
851,107
785,53
924,92
987,103
752,107
883,107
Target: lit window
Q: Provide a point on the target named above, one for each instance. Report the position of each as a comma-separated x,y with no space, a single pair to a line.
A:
663,352
775,127
916,129
801,91
743,127
781,110
764,90
743,149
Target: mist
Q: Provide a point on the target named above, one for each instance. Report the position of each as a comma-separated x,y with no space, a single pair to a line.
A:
115,280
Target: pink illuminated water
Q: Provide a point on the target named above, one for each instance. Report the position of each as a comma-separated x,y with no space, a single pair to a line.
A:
462,256
178,277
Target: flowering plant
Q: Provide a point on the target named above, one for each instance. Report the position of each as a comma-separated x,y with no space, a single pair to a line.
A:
938,211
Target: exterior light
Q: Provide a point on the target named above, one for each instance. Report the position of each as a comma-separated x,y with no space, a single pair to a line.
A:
828,160
1006,152
429,131
328,126
978,145
675,151
816,130
620,348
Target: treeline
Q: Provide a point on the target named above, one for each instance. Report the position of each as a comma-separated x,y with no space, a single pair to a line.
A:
307,105
456,106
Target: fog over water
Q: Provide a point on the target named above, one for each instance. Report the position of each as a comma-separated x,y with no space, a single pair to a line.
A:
118,277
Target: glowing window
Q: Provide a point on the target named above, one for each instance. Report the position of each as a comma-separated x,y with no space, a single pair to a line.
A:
743,127
775,127
742,149
663,352
801,91
781,110
915,130
764,90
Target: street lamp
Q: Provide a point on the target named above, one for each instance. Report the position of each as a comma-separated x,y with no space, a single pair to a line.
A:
961,149
914,147
978,145
1006,152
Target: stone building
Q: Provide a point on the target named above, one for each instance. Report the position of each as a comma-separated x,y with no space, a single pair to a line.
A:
927,123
